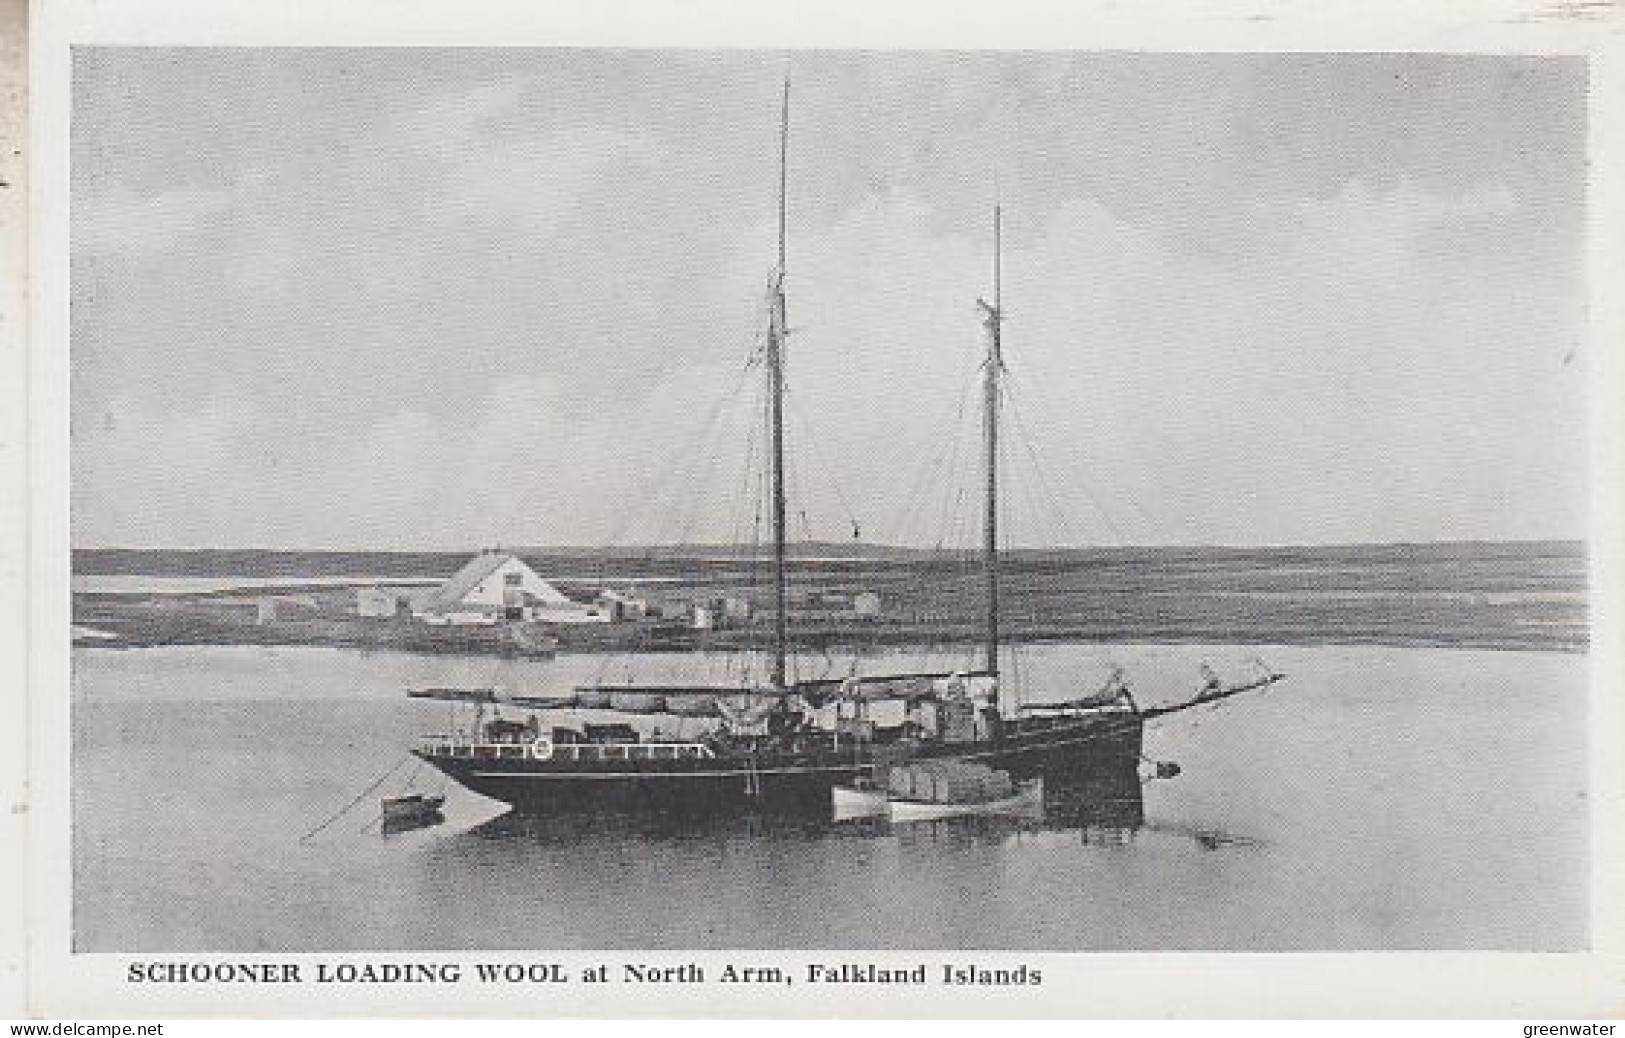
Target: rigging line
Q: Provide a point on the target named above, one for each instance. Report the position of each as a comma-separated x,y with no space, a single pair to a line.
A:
1054,499
910,503
698,437
916,497
706,448
763,478
701,444
942,469
749,493
819,460
941,473
1015,596
686,506
949,516
949,525
1025,435
358,797
1053,524
1048,417
961,517
965,518
792,477
698,486
1069,520
412,776
753,490
1032,507
751,483
745,492
1018,658
525,500
1161,443
744,487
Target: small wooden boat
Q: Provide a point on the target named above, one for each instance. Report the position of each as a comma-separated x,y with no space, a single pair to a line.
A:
1028,797
931,789
415,805
857,802
415,811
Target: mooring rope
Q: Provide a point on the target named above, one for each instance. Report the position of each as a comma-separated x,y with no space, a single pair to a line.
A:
358,798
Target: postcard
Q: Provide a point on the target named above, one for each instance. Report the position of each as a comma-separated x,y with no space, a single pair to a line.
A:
741,511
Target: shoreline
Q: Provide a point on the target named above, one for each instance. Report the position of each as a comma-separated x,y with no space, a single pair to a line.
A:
111,641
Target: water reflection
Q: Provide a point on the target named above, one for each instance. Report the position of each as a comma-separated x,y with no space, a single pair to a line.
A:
1091,805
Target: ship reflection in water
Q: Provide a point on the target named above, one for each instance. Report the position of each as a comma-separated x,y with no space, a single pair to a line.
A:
1062,877
1104,810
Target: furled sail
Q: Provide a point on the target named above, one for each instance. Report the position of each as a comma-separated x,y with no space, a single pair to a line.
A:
735,704
973,684
628,699
1115,690
747,712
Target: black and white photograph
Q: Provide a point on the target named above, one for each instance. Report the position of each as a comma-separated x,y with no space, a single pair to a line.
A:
838,500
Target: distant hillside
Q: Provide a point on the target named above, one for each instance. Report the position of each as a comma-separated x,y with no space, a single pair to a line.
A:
1555,566
664,559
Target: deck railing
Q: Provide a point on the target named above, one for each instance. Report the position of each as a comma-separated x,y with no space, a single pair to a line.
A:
458,746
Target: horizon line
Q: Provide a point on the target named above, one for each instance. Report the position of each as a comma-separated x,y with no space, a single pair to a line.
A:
835,544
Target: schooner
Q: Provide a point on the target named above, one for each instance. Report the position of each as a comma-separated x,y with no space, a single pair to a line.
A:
784,745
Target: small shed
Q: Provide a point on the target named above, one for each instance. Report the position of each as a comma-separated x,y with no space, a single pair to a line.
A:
380,602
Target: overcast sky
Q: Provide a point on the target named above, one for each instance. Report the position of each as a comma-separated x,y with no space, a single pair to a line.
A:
398,298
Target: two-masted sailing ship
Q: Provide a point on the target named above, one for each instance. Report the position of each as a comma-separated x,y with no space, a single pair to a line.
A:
784,745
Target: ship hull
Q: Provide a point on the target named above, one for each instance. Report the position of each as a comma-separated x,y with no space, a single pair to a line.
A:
1066,756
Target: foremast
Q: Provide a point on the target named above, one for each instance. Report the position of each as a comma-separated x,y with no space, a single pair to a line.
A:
777,331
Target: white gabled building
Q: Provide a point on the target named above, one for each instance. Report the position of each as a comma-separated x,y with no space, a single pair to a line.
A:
496,586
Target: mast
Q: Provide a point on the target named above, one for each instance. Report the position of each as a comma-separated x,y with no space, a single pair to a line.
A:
992,369
776,332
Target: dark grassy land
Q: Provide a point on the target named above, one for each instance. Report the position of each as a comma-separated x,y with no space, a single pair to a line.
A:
1519,595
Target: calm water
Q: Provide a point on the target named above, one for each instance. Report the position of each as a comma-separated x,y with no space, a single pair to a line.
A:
1381,798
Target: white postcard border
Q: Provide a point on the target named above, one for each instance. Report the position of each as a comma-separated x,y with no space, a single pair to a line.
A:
1387,984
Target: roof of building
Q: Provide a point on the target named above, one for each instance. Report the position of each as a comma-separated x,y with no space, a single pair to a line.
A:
455,589
469,577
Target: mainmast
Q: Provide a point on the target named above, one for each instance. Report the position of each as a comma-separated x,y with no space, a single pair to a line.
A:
778,328
992,369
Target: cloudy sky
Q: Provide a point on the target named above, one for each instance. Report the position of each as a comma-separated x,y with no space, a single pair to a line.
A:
406,298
